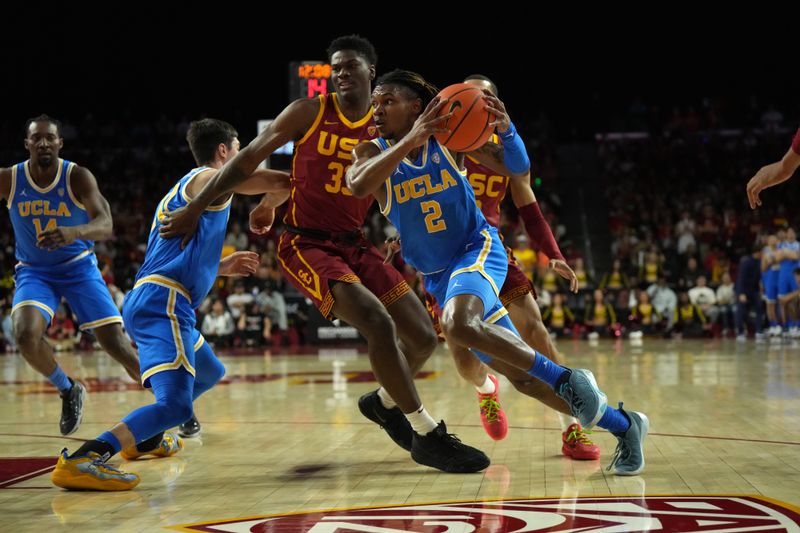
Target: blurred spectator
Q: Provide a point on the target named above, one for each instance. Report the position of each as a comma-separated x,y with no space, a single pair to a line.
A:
748,294
238,300
703,297
644,317
616,279
600,319
650,269
61,333
689,274
689,322
253,327
236,238
557,317
274,306
218,325
726,301
664,300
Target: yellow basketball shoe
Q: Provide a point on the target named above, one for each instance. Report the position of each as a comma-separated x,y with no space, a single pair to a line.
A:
89,472
170,445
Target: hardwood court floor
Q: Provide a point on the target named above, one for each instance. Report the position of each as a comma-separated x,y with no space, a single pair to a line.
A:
282,434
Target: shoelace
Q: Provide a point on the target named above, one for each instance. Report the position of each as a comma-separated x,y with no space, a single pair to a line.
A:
98,463
580,435
490,406
575,403
620,454
452,441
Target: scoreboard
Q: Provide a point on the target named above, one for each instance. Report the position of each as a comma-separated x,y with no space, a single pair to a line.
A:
308,79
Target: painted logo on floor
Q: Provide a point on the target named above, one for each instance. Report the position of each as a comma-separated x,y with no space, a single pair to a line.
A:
15,470
667,514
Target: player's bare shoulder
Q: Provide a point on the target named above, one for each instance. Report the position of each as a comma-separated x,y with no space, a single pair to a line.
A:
302,114
81,181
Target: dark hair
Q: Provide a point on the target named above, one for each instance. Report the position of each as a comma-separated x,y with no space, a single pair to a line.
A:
205,135
412,81
356,43
43,118
492,85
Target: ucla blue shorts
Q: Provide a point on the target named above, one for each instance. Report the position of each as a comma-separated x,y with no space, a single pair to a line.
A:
159,317
78,281
770,280
480,271
787,283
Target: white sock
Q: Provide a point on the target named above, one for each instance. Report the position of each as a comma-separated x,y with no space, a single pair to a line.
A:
421,421
566,421
487,387
386,400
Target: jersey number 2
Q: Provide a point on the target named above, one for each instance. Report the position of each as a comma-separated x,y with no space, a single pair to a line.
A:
433,216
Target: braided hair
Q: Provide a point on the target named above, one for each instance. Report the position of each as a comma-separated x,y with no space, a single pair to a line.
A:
412,82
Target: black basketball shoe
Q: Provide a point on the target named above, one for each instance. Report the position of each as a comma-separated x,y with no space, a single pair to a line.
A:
393,421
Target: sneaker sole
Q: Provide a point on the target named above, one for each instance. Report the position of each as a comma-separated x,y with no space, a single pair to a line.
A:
80,413
70,481
577,456
644,429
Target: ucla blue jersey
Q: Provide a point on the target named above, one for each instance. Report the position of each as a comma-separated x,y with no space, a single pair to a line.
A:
433,207
34,209
788,265
193,269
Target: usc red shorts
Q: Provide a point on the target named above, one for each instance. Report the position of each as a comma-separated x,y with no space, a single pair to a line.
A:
311,265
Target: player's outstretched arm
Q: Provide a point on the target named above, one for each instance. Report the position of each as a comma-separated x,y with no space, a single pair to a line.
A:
263,215
265,181
510,157
292,123
773,174
537,228
276,185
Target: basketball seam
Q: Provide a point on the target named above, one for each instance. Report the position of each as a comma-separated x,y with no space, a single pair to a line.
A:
466,112
488,116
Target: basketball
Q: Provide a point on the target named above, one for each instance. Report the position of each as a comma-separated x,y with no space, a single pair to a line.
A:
469,127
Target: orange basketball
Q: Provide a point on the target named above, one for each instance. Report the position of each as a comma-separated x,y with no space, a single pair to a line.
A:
469,126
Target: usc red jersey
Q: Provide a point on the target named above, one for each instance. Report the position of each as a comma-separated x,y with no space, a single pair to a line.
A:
320,198
490,188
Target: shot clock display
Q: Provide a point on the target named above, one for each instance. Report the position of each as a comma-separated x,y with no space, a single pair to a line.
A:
308,79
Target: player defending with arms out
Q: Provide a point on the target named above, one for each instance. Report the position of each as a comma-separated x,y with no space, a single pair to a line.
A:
57,212
774,173
517,295
324,253
424,192
159,313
